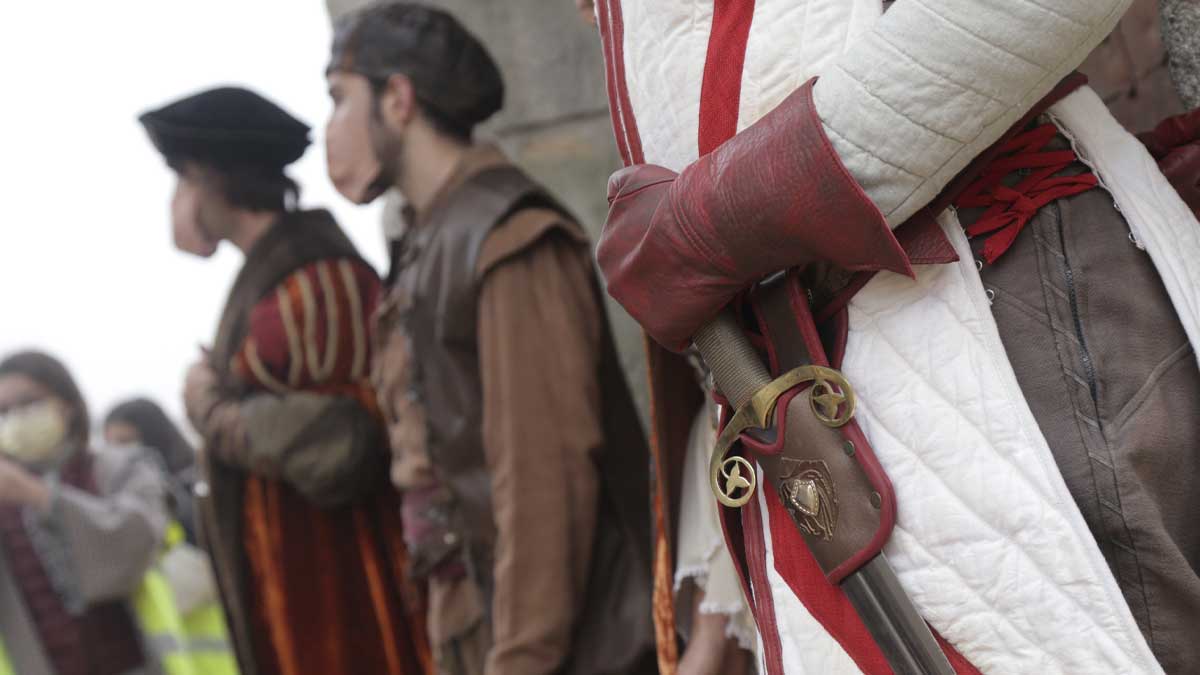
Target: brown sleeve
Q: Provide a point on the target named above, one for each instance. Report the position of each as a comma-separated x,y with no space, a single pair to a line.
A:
539,345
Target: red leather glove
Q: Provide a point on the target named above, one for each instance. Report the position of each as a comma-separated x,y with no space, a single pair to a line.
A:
1175,143
677,248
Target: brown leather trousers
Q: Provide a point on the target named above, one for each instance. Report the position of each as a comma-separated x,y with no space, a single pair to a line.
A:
1113,383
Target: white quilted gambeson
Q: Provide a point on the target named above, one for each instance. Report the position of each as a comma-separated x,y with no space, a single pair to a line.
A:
989,543
936,82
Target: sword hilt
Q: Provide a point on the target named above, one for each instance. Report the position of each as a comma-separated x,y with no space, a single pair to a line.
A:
736,367
739,374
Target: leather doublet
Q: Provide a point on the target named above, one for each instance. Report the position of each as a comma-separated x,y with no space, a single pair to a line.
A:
433,303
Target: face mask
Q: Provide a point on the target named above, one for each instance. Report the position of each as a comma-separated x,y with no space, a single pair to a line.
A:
353,164
32,435
190,236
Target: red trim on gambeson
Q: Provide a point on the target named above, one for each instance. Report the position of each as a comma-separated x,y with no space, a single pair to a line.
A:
958,662
612,42
721,89
763,603
829,605
824,601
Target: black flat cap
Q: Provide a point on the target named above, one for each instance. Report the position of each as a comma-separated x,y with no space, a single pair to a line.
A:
450,69
227,126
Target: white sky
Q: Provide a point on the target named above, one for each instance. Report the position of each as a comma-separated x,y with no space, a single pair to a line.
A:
87,269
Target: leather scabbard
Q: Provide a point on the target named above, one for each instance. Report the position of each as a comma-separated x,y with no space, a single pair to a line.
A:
826,475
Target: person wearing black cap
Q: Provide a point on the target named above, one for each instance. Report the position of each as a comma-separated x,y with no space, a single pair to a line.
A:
297,517
522,464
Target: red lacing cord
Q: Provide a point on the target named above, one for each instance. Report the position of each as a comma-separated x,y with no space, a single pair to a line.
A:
1010,208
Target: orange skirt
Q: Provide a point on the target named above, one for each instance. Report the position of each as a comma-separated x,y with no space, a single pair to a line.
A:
329,592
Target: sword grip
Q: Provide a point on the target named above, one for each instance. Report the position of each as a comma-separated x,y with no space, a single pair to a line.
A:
736,367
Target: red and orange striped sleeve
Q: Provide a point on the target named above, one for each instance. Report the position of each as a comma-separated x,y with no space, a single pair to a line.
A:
311,332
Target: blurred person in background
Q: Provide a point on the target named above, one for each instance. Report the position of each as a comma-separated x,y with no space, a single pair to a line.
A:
515,442
142,422
79,532
185,568
300,521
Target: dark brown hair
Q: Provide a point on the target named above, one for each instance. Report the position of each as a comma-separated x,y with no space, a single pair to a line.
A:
248,186
54,376
156,431
457,130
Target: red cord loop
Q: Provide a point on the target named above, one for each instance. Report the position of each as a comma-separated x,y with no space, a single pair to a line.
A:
1010,208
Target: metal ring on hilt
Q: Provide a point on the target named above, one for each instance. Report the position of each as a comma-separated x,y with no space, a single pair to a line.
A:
733,478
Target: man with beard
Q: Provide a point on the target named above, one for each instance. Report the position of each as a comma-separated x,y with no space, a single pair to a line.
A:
299,520
515,443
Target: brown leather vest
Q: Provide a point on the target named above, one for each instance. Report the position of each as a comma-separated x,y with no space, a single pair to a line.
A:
434,269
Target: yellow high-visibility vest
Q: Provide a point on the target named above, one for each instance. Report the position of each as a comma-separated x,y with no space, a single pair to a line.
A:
5,665
195,644
192,644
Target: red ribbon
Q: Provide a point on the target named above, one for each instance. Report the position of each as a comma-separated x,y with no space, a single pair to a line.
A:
1010,208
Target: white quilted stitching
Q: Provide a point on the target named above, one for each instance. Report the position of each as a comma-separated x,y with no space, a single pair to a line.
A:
665,45
899,169
906,546
1034,572
894,108
978,41
1031,49
1039,568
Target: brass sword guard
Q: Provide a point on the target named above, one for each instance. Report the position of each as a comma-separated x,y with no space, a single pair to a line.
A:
734,479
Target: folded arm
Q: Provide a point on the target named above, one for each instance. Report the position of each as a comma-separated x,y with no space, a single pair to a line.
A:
825,174
310,419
